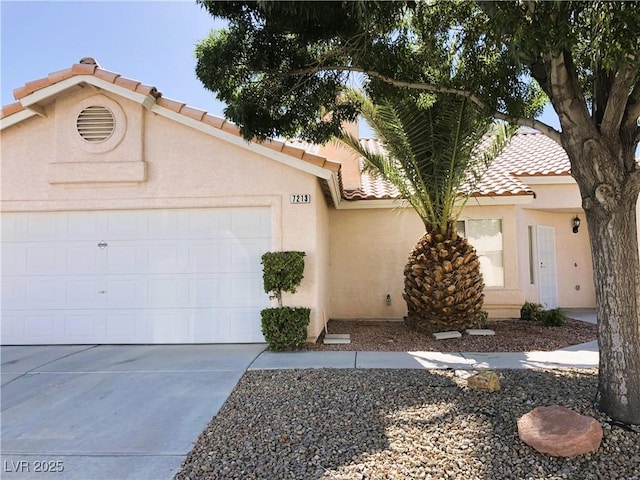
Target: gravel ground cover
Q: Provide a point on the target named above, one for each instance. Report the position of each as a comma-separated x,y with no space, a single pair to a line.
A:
399,424
511,336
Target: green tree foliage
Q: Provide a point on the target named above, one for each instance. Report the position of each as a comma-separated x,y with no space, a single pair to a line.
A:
281,68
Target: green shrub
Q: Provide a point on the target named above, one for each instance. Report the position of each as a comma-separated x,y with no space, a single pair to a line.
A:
285,328
553,318
282,272
531,312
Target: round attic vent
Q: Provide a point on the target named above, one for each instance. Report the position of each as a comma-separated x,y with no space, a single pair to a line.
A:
96,124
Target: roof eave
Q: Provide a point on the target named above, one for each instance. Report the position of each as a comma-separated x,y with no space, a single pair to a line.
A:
523,198
16,118
549,179
39,96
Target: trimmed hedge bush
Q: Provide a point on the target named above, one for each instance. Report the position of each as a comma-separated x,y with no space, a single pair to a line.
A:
285,328
282,272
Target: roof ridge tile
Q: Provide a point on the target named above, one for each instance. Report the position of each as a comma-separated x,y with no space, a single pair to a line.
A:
106,75
83,68
60,75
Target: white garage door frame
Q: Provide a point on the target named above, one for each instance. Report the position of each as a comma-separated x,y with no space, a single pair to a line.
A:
134,276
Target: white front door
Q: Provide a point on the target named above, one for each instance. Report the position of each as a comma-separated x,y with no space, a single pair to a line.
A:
140,276
547,267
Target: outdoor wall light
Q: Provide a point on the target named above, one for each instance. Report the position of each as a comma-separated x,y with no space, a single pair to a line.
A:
576,224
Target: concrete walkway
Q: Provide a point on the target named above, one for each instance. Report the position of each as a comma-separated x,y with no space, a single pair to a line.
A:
577,356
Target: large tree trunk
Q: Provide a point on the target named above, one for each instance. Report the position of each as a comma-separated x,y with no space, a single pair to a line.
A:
614,249
609,198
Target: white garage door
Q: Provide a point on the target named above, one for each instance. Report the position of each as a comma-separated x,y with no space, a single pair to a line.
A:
152,276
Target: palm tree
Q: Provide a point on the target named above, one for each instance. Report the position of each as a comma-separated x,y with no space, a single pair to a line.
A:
437,149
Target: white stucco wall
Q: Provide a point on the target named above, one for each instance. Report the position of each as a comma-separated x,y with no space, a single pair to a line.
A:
184,168
369,249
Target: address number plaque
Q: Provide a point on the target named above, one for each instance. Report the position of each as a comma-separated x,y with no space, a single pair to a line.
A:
301,198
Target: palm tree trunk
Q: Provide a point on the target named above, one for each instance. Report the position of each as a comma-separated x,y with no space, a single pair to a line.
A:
443,283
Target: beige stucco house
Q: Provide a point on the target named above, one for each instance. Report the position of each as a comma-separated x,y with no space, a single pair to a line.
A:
131,218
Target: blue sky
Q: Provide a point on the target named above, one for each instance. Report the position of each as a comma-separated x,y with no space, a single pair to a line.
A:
149,41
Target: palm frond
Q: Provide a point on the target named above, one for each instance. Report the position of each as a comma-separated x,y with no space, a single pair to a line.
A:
431,152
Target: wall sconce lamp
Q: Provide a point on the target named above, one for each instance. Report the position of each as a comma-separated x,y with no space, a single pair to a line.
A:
576,224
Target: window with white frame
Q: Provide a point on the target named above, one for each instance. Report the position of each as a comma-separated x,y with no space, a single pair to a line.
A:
486,236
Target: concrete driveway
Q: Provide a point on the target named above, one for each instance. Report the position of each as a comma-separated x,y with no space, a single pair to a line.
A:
111,412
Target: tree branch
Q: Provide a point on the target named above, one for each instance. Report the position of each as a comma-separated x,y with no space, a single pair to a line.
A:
618,98
633,112
522,121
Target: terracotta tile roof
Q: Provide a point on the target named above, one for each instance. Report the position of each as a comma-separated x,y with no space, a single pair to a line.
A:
533,153
372,186
88,66
528,154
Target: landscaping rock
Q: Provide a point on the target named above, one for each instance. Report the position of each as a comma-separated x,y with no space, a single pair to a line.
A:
445,335
485,381
480,331
559,432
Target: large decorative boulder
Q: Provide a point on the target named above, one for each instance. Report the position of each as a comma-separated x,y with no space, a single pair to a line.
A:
485,381
559,432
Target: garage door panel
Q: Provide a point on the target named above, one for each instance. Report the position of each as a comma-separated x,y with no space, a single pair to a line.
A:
169,326
128,225
125,328
207,291
124,291
85,226
210,224
245,224
244,290
83,327
210,257
84,293
44,293
44,227
122,258
167,258
85,259
241,322
42,327
11,326
13,228
44,259
168,292
12,296
245,255
165,276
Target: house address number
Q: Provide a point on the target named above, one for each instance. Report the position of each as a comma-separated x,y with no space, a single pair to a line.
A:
301,198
